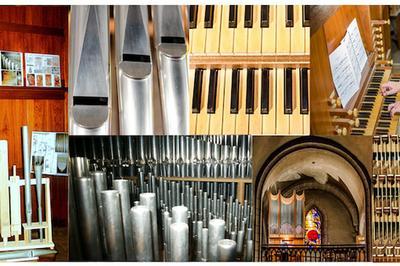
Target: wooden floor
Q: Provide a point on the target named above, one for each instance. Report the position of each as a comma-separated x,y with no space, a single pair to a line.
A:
60,238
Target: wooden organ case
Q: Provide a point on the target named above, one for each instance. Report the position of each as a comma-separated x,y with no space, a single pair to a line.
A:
386,199
249,69
366,112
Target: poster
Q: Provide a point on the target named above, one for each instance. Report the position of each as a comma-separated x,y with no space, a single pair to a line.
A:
54,148
42,70
11,69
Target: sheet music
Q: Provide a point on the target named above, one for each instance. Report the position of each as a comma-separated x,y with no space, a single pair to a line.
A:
358,46
347,63
345,79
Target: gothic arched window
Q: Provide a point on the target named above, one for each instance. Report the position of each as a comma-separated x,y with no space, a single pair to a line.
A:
313,227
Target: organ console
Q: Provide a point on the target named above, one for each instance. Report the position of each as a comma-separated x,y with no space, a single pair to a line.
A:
129,71
249,69
366,112
386,198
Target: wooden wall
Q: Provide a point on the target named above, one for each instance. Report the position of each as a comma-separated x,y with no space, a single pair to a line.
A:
36,29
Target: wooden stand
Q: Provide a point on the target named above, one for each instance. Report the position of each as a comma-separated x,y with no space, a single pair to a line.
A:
14,185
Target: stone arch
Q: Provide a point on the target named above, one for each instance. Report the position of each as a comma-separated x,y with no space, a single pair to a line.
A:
299,144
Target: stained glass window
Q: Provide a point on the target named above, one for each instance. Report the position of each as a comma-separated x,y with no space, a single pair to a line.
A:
313,227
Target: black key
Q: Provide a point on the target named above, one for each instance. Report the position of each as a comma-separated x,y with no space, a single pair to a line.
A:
233,16
198,85
250,91
209,17
289,16
304,91
288,86
264,16
306,16
248,16
193,16
265,91
212,91
235,91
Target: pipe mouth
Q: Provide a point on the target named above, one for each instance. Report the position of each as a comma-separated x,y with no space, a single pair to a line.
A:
217,222
109,192
140,209
148,194
179,225
226,243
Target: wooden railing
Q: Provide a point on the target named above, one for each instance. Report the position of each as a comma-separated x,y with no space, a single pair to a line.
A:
321,253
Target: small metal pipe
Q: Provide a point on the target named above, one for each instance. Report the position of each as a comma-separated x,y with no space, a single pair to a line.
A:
179,233
27,176
249,251
240,240
226,250
199,230
141,232
113,225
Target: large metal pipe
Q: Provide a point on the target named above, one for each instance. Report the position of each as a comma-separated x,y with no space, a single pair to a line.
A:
79,167
100,184
88,225
134,70
141,231
113,226
179,233
27,176
123,187
149,200
226,250
216,232
180,214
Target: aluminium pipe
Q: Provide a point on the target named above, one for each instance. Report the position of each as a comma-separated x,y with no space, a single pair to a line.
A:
216,232
100,184
149,200
226,250
240,240
199,240
249,251
27,177
123,187
87,213
113,226
79,166
141,230
204,245
180,214
179,234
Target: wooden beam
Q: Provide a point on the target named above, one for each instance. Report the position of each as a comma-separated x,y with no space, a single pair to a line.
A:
32,93
15,27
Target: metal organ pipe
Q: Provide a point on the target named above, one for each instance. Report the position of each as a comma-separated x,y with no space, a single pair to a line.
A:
210,210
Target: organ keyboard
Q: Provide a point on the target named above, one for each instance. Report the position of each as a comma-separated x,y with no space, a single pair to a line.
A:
249,69
366,113
386,198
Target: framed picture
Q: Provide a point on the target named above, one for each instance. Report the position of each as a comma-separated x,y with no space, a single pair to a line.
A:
11,70
54,148
42,70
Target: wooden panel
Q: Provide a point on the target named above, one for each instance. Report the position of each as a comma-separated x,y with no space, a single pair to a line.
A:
36,29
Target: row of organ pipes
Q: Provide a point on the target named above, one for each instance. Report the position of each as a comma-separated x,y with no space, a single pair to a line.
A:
118,86
168,211
386,199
